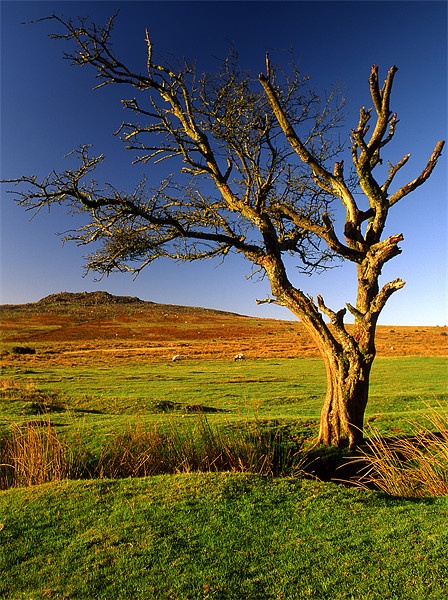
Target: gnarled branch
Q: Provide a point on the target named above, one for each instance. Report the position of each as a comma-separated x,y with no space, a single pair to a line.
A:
424,175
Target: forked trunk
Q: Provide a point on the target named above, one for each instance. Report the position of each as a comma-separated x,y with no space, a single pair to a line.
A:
348,357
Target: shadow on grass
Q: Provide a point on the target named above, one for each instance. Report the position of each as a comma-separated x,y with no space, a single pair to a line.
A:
90,411
170,406
45,408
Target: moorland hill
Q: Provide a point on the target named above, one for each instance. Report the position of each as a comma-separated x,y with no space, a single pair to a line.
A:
78,301
72,327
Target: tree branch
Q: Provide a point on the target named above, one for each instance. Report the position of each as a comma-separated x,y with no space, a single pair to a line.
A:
321,174
326,233
393,170
269,301
337,320
381,298
424,175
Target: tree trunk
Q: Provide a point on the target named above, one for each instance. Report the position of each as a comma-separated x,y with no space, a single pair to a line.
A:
342,416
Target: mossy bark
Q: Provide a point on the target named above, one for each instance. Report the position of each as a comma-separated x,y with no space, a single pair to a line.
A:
342,415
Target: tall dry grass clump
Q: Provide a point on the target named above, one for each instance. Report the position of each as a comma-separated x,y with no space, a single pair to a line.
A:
32,454
410,466
35,453
195,445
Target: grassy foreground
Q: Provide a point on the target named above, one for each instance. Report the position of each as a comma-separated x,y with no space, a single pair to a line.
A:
220,536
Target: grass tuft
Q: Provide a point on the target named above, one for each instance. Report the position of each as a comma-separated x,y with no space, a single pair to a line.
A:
32,400
415,465
22,350
33,454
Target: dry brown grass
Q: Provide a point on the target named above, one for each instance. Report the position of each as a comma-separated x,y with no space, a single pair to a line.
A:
10,385
34,453
196,446
410,466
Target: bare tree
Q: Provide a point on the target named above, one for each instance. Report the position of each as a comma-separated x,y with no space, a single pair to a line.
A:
253,176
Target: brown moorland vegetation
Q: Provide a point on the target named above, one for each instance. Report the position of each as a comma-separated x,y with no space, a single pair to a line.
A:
78,328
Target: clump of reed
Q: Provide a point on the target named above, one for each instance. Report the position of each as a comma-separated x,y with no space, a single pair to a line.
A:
36,453
33,453
415,465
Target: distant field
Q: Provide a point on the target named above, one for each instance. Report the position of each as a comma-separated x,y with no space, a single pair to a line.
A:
284,389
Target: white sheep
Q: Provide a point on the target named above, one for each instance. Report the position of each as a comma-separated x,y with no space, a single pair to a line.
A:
240,356
177,357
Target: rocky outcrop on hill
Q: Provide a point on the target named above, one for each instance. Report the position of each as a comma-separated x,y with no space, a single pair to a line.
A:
88,299
88,302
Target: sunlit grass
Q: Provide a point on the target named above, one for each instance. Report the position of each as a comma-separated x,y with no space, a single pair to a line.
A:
415,465
107,401
224,532
220,535
293,387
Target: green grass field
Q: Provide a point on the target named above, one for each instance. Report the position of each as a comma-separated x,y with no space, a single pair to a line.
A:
284,389
217,535
222,536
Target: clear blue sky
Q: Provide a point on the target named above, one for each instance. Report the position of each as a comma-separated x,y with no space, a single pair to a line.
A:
48,109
